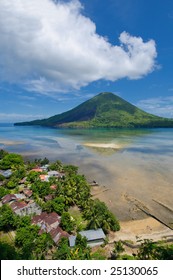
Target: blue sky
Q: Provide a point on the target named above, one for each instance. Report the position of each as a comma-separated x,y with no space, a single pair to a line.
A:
55,55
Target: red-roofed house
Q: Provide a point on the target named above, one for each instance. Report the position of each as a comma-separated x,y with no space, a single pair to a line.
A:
17,206
47,221
27,192
44,177
37,169
57,234
53,187
8,197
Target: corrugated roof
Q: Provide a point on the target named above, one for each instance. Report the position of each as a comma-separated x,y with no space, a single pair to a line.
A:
93,234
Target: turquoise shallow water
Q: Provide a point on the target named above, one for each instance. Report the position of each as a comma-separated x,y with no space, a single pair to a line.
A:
141,168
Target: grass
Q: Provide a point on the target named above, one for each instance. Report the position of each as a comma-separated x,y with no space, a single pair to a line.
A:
77,216
7,237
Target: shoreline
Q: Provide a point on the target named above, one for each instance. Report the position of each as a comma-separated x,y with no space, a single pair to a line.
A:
138,230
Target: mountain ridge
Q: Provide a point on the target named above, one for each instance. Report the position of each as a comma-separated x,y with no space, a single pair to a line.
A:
104,110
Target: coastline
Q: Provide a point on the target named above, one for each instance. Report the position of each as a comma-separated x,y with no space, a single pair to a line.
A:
137,230
135,223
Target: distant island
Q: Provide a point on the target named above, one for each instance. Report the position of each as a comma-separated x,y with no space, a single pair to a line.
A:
106,110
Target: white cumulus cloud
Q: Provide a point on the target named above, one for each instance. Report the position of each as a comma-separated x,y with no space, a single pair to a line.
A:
50,46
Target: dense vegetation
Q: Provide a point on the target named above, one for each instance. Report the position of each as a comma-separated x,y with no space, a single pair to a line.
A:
70,190
104,110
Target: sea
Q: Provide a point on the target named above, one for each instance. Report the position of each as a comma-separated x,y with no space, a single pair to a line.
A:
135,165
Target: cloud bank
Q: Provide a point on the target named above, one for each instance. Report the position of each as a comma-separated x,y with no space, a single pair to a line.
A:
160,106
50,46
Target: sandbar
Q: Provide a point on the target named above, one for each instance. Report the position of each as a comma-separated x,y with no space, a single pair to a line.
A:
10,142
103,145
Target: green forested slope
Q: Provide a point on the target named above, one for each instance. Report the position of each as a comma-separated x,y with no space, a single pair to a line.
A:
104,110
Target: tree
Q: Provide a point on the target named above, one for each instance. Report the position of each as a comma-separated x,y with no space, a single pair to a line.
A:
3,154
8,251
8,219
25,240
118,249
57,165
44,161
33,176
24,221
63,252
99,216
70,169
11,161
43,244
150,250
2,178
67,223
3,192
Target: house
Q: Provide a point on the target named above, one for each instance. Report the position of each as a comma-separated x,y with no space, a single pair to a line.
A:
53,187
12,197
57,234
53,173
44,178
48,197
47,221
8,197
21,208
18,206
20,196
23,180
45,167
94,237
27,192
37,169
6,173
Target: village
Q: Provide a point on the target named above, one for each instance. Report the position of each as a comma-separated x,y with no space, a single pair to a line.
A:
22,204
46,193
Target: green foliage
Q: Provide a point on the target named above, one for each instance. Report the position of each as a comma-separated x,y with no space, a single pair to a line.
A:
70,169
41,188
12,183
44,161
3,154
23,221
33,176
25,240
99,216
8,252
57,165
150,250
3,192
8,220
2,178
55,205
11,161
43,244
67,223
63,252
118,249
79,252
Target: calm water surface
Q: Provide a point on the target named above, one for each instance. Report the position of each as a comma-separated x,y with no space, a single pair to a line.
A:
141,168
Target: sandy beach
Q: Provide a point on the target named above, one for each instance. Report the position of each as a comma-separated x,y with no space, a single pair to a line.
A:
148,228
104,145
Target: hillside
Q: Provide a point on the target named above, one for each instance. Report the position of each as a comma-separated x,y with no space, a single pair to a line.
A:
104,110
